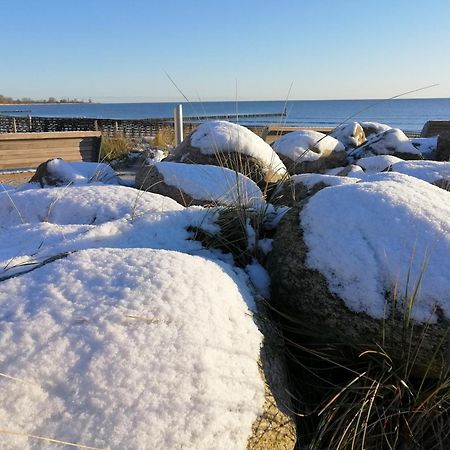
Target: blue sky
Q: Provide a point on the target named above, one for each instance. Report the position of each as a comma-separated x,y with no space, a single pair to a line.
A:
119,51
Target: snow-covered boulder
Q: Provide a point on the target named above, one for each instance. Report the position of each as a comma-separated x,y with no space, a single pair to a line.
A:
233,146
200,184
309,151
358,254
435,172
373,128
390,142
302,186
57,172
126,349
76,205
350,134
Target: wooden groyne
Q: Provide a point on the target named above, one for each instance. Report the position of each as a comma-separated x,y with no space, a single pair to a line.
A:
131,128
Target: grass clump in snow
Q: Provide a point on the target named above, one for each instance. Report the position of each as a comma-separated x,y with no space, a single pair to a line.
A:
354,396
116,147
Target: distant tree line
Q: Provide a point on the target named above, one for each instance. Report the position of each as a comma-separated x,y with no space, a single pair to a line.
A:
25,100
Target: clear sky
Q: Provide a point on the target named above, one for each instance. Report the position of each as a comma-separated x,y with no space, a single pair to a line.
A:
112,50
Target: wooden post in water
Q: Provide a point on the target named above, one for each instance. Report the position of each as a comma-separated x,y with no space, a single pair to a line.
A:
14,125
29,123
178,124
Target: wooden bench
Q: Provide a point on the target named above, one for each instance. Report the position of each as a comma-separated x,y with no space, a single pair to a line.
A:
28,150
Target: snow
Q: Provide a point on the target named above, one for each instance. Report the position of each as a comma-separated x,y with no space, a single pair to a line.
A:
81,172
306,145
386,143
122,349
425,145
6,187
373,164
79,205
259,277
388,224
355,172
375,126
212,183
311,179
430,171
221,136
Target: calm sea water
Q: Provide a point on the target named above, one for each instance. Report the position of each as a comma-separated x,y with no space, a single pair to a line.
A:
406,114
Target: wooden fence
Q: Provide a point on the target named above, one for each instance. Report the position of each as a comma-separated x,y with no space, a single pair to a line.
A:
130,128
28,150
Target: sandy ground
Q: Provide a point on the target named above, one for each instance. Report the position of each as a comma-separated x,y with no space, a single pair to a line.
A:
15,178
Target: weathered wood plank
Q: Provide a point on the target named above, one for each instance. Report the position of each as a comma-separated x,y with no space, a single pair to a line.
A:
49,135
10,146
44,156
17,151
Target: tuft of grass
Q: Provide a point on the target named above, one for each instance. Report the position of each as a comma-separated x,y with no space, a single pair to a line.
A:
164,138
356,396
115,147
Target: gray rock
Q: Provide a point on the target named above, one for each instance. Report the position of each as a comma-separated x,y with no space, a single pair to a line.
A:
443,147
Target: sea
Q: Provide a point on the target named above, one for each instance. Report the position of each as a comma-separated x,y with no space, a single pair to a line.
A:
406,114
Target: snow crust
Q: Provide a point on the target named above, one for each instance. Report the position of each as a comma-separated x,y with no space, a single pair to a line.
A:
306,145
430,171
388,224
122,349
212,183
221,136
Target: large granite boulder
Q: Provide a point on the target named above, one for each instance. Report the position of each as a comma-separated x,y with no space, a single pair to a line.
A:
366,264
200,184
233,146
309,151
391,142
